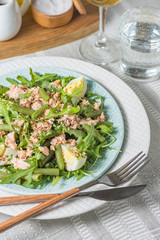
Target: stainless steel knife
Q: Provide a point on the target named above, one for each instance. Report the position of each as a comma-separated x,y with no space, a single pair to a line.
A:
114,193
108,194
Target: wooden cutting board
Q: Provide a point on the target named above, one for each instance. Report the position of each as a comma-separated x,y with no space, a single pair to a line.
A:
32,37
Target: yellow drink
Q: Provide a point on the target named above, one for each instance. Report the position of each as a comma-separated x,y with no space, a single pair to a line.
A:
20,2
103,3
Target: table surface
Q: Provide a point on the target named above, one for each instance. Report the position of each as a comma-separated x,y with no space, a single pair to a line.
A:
137,218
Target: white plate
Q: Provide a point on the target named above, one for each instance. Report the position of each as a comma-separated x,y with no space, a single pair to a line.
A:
137,129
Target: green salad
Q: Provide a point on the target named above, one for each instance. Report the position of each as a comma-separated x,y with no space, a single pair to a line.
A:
51,127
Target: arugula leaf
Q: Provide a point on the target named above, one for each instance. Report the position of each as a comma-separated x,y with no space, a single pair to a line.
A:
95,97
75,102
108,144
86,142
50,76
106,127
34,185
11,178
96,151
89,112
53,110
95,161
47,135
66,111
32,77
66,98
2,140
36,75
23,96
3,89
81,173
79,134
10,169
27,140
47,86
24,81
12,81
5,114
56,180
39,156
66,80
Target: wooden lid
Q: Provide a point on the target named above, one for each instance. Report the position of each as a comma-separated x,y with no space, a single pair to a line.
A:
52,21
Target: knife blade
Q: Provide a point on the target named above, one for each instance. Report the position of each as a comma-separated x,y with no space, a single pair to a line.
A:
114,193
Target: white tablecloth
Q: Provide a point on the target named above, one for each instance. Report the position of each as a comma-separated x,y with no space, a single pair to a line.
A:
137,218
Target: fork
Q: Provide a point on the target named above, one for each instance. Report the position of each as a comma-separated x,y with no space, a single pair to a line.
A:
127,171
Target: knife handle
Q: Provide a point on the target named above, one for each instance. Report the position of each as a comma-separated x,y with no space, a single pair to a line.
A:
26,198
22,216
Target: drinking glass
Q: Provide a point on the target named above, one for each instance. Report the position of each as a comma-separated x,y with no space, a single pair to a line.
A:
140,43
96,49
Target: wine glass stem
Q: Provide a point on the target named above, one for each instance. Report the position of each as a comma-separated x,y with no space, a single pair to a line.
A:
101,40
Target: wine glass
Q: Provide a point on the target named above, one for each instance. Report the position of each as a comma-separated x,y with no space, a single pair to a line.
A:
96,48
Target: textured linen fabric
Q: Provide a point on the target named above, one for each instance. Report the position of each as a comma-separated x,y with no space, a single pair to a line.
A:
137,218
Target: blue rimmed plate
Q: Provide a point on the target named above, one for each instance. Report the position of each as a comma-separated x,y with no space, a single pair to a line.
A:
112,113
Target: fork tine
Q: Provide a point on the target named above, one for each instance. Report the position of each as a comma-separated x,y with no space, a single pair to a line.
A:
137,161
128,163
130,174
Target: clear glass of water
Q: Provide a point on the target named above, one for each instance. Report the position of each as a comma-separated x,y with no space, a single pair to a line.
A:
140,43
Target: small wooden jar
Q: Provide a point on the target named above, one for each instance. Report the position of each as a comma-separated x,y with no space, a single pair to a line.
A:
52,21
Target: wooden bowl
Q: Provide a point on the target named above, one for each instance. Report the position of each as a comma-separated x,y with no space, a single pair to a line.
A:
52,21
